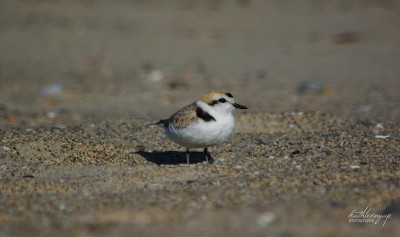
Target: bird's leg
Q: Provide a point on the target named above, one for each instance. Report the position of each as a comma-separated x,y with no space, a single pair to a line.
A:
209,158
187,156
206,153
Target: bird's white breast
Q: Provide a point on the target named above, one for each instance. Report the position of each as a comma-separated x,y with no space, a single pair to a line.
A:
202,134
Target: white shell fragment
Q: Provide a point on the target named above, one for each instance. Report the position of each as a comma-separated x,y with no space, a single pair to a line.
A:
382,136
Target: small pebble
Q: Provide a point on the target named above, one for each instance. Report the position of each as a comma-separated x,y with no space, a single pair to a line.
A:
28,176
328,152
6,148
61,206
363,162
156,75
218,204
52,89
140,148
379,125
51,114
155,186
265,219
60,126
238,167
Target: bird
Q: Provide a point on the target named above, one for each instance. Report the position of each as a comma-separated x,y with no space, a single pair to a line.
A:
205,123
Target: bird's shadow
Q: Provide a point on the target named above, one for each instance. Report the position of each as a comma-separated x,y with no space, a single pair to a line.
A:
174,157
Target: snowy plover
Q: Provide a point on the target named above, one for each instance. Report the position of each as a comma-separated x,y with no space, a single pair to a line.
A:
204,123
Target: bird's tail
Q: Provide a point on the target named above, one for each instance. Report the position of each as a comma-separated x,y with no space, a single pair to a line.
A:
161,122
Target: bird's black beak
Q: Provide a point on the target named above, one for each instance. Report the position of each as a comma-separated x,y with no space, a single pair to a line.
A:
238,106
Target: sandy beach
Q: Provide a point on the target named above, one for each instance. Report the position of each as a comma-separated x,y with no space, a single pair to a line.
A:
316,154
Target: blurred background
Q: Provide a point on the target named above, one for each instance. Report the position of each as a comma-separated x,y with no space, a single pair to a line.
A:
136,58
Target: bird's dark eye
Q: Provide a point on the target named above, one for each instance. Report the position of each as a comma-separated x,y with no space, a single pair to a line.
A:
222,100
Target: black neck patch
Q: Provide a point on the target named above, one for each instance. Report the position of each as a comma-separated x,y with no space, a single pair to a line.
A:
204,115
